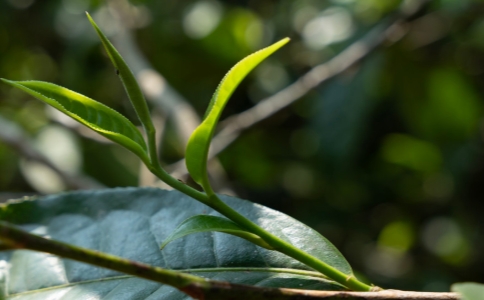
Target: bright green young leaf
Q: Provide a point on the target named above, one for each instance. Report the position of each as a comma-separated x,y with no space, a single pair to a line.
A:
127,78
204,223
469,290
132,223
199,143
89,112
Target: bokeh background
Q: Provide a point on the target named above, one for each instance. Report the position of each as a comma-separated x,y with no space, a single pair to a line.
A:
385,159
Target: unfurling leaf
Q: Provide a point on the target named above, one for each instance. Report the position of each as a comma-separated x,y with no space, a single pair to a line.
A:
89,112
204,223
127,78
199,143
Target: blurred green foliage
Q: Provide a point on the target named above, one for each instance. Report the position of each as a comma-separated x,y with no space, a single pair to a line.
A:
385,160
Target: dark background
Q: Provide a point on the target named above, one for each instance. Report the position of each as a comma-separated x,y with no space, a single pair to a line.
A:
385,160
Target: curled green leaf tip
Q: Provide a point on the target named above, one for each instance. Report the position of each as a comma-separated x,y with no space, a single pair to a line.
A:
6,81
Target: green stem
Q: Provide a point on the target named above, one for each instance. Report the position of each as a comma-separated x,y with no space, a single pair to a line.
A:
290,250
212,200
151,135
178,185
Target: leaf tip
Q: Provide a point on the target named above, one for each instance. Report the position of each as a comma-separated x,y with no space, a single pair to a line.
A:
91,20
284,41
165,242
9,82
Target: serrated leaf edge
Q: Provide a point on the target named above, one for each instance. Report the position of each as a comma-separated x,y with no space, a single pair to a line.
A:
78,118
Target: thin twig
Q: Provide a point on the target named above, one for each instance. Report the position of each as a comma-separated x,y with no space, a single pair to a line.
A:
12,237
14,137
233,126
16,238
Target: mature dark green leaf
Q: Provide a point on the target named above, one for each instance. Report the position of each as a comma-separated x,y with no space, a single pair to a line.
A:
132,223
469,290
199,143
87,111
203,223
127,78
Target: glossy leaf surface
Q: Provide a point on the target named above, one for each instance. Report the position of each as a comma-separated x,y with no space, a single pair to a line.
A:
469,290
127,78
199,143
87,111
203,223
132,223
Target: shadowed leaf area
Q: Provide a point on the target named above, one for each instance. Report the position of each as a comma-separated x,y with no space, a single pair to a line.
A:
132,223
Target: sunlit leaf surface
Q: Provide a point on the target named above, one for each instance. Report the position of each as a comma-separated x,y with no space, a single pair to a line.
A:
87,111
199,143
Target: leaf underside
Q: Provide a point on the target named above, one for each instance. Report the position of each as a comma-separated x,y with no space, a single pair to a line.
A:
199,142
88,112
132,223
204,223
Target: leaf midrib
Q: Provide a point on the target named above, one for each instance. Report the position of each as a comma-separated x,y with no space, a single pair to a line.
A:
134,136
200,270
